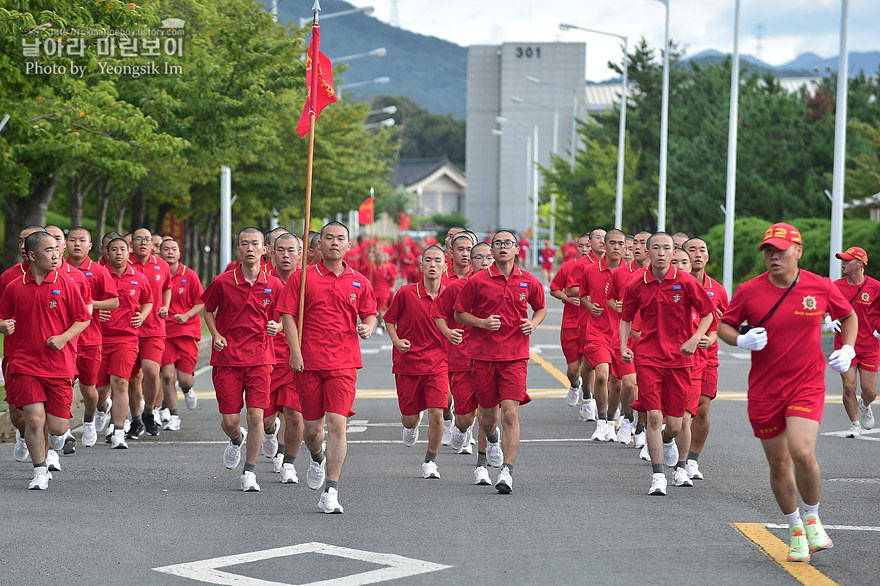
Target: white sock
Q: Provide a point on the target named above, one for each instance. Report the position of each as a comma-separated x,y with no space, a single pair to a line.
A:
794,519
811,509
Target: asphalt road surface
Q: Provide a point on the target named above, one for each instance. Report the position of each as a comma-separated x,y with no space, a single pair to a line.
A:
166,511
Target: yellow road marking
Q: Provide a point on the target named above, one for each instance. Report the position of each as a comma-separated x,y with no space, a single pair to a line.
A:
554,372
776,549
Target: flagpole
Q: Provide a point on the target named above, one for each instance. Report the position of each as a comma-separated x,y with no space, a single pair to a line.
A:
313,107
371,247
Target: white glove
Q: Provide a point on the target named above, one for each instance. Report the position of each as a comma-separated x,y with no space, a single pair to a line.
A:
755,339
831,325
877,334
841,359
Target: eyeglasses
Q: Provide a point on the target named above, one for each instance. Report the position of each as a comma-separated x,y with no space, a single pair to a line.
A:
141,239
480,257
504,244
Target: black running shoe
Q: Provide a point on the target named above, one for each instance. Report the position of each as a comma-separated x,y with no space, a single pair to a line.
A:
135,431
150,424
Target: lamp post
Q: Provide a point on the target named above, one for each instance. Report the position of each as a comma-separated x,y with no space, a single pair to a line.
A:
574,110
531,145
381,123
377,81
364,10
621,138
664,127
730,200
839,147
386,110
380,52
519,100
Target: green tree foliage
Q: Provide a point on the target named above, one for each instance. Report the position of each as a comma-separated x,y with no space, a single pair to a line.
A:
424,134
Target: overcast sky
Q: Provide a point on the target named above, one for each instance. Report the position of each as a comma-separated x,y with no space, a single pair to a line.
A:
788,27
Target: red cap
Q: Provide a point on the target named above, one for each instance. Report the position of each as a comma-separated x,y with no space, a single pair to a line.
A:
854,253
781,235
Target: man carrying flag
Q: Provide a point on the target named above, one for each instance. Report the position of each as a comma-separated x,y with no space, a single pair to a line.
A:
319,81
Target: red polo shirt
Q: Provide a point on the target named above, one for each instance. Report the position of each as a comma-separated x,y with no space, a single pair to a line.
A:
332,307
594,284
410,312
619,279
159,277
243,310
9,275
574,280
41,311
133,291
444,307
865,301
186,291
282,350
665,307
448,276
559,283
792,361
101,288
719,297
384,277
490,293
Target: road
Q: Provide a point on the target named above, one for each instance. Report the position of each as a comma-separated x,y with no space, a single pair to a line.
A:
579,511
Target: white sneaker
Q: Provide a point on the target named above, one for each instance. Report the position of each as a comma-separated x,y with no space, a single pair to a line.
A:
329,502
270,441
658,484
429,470
504,484
277,463
191,400
481,476
173,424
288,474
90,434
41,479
640,440
68,445
20,451
165,415
410,436
573,397
56,442
117,440
670,454
693,470
610,432
53,461
143,404
447,432
102,417
468,446
624,433
855,431
316,474
249,482
866,416
494,453
680,478
232,454
588,411
644,455
157,415
599,434
458,438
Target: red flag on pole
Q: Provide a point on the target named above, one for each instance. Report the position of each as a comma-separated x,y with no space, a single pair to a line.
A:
365,212
319,84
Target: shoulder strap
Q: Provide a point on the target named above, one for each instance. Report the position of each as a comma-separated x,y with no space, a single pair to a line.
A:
778,303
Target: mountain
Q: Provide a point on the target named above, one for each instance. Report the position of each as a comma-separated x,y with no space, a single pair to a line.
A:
869,62
429,70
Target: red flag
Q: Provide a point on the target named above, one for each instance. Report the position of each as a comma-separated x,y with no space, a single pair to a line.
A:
404,221
365,212
320,78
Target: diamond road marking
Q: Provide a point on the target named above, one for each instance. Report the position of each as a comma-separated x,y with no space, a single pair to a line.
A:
398,566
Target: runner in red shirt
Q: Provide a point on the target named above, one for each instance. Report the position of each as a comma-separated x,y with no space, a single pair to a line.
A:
665,298
89,344
787,379
383,276
548,261
40,314
524,246
628,249
459,369
183,331
494,303
568,333
146,381
335,297
119,337
238,312
705,374
419,357
863,293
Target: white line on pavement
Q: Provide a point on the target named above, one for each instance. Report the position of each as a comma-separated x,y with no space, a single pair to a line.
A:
832,527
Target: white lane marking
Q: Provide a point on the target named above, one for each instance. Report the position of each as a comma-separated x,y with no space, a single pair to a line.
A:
371,442
369,350
832,527
201,370
864,433
398,566
357,425
386,346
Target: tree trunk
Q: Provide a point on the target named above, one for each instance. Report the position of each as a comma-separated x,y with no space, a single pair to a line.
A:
25,211
163,210
139,217
120,211
80,185
103,195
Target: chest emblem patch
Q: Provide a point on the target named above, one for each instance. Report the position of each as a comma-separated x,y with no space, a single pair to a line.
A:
677,297
53,304
809,302
866,297
353,297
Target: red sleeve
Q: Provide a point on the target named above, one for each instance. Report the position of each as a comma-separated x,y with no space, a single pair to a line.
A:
630,301
737,312
700,300
76,306
584,290
574,276
288,301
7,306
442,306
838,305
465,301
398,304
559,279
536,295
146,295
367,305
106,286
211,297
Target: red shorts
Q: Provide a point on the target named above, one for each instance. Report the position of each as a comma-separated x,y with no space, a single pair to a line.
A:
768,417
598,352
326,391
8,385
117,360
571,346
665,389
463,394
182,352
705,379
282,392
88,363
56,393
383,300
417,392
866,361
151,348
496,381
234,385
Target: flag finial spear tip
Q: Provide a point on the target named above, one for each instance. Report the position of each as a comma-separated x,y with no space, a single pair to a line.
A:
317,6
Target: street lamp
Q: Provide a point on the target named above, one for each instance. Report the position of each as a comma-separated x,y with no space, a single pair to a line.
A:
664,127
574,110
386,110
621,138
533,163
730,197
376,81
839,168
386,122
364,10
380,52
519,100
